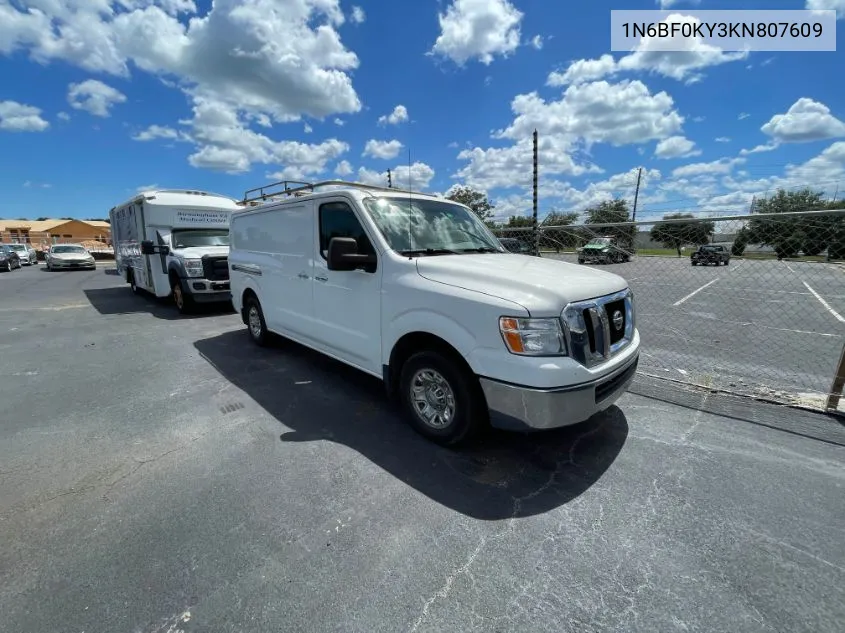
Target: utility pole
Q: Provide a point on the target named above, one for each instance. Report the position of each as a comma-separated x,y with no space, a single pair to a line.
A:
637,194
389,180
534,222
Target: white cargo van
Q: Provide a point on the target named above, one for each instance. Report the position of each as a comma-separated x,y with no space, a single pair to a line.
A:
415,289
175,242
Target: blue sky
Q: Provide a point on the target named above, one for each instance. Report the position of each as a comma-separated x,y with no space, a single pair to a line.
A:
102,97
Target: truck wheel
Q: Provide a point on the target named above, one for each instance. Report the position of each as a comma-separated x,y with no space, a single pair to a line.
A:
727,262
443,401
184,302
255,322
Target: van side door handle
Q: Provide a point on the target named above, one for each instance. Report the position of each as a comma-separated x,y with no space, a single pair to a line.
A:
321,278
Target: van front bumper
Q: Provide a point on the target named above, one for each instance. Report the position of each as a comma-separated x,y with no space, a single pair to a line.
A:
521,408
207,291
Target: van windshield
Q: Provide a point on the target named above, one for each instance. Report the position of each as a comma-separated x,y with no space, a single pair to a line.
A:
187,238
430,227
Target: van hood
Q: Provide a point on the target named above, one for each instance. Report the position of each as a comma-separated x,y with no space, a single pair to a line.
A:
541,285
195,252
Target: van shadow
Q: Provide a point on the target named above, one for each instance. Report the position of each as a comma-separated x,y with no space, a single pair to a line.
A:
109,301
505,475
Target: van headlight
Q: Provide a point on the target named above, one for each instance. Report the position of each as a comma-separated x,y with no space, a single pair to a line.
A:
533,337
193,267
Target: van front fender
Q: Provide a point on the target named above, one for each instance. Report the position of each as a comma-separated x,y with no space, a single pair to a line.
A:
428,322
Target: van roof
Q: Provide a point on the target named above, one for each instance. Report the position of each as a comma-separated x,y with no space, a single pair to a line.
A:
265,195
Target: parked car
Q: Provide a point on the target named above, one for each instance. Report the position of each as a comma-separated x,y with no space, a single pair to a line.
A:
25,252
416,291
710,254
603,250
68,256
9,259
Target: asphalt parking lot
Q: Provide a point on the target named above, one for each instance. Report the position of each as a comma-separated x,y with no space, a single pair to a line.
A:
755,326
160,474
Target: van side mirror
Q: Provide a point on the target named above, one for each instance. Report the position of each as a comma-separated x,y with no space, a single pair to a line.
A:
148,247
343,255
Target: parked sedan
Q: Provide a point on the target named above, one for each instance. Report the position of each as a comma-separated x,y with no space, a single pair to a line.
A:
67,256
26,253
9,259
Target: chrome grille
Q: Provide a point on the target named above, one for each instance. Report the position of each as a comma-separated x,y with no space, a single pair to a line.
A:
592,336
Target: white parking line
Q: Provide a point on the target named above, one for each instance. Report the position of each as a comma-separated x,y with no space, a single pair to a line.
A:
791,268
695,292
739,265
824,303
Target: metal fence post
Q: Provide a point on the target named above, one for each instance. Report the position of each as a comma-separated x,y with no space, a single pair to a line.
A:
838,384
535,231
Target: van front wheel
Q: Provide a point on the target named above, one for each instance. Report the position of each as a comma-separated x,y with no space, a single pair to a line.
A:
442,400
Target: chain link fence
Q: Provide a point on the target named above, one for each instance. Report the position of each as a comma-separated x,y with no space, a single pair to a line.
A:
751,305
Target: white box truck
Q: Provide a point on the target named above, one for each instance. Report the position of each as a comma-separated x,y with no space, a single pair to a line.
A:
416,290
175,242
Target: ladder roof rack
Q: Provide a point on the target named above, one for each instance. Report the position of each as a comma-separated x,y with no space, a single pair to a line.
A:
305,188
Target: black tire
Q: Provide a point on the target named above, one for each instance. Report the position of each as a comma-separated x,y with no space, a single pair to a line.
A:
727,262
462,393
184,301
695,263
256,326
580,261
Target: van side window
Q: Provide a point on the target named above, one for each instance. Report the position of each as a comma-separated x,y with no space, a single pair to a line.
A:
337,219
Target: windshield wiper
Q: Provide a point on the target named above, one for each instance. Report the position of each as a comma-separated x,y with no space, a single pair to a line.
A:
481,249
428,251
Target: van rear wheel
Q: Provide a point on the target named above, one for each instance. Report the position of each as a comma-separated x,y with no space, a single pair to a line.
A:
442,399
255,323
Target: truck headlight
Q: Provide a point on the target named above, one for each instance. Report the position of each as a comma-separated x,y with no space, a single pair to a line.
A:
533,337
193,267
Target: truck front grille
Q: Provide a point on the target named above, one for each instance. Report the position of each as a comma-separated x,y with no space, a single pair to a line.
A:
215,268
598,329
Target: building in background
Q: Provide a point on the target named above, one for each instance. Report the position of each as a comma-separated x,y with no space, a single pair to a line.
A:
93,234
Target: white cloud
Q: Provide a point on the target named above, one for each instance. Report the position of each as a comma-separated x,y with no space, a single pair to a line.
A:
618,114
283,58
420,176
768,147
615,114
144,188
676,147
226,144
64,116
94,97
43,185
668,4
652,56
478,29
18,117
159,131
805,121
743,115
821,5
358,16
722,139
308,129
399,115
716,167
385,150
343,168
370,177
537,42
339,122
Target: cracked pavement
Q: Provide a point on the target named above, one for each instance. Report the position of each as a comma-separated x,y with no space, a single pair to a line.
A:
161,474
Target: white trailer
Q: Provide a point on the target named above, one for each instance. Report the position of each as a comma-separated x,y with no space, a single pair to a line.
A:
175,242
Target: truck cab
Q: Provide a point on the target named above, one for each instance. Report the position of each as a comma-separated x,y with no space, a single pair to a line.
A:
175,243
415,290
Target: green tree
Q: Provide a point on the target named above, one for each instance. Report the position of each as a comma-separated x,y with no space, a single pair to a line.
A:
791,234
678,234
612,212
554,235
475,200
740,243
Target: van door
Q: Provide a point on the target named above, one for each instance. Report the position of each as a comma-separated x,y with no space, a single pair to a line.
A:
347,304
288,303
